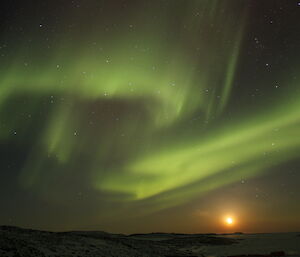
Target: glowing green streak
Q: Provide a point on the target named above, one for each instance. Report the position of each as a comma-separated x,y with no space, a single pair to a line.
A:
247,143
171,80
232,64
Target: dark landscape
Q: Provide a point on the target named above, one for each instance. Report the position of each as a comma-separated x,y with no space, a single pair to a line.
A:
18,242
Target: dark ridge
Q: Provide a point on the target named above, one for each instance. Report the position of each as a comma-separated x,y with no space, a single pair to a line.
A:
21,242
21,230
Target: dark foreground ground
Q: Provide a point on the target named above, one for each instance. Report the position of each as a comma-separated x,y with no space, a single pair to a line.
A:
17,242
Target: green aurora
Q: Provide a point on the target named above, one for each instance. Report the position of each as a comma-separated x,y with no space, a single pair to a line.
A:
145,110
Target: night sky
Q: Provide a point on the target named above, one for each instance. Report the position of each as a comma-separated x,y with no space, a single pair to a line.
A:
150,115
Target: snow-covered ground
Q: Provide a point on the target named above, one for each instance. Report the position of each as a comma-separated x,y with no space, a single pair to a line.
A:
258,244
16,242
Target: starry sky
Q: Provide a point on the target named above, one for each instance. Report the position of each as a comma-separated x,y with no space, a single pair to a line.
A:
140,116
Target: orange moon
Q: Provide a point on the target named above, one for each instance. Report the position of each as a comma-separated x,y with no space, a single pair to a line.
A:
229,221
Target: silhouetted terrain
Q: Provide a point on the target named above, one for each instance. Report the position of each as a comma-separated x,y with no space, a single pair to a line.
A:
17,242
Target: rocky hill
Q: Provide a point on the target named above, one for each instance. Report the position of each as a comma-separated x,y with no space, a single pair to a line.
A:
17,242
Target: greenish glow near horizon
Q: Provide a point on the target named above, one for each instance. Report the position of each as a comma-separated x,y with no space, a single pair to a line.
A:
171,86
